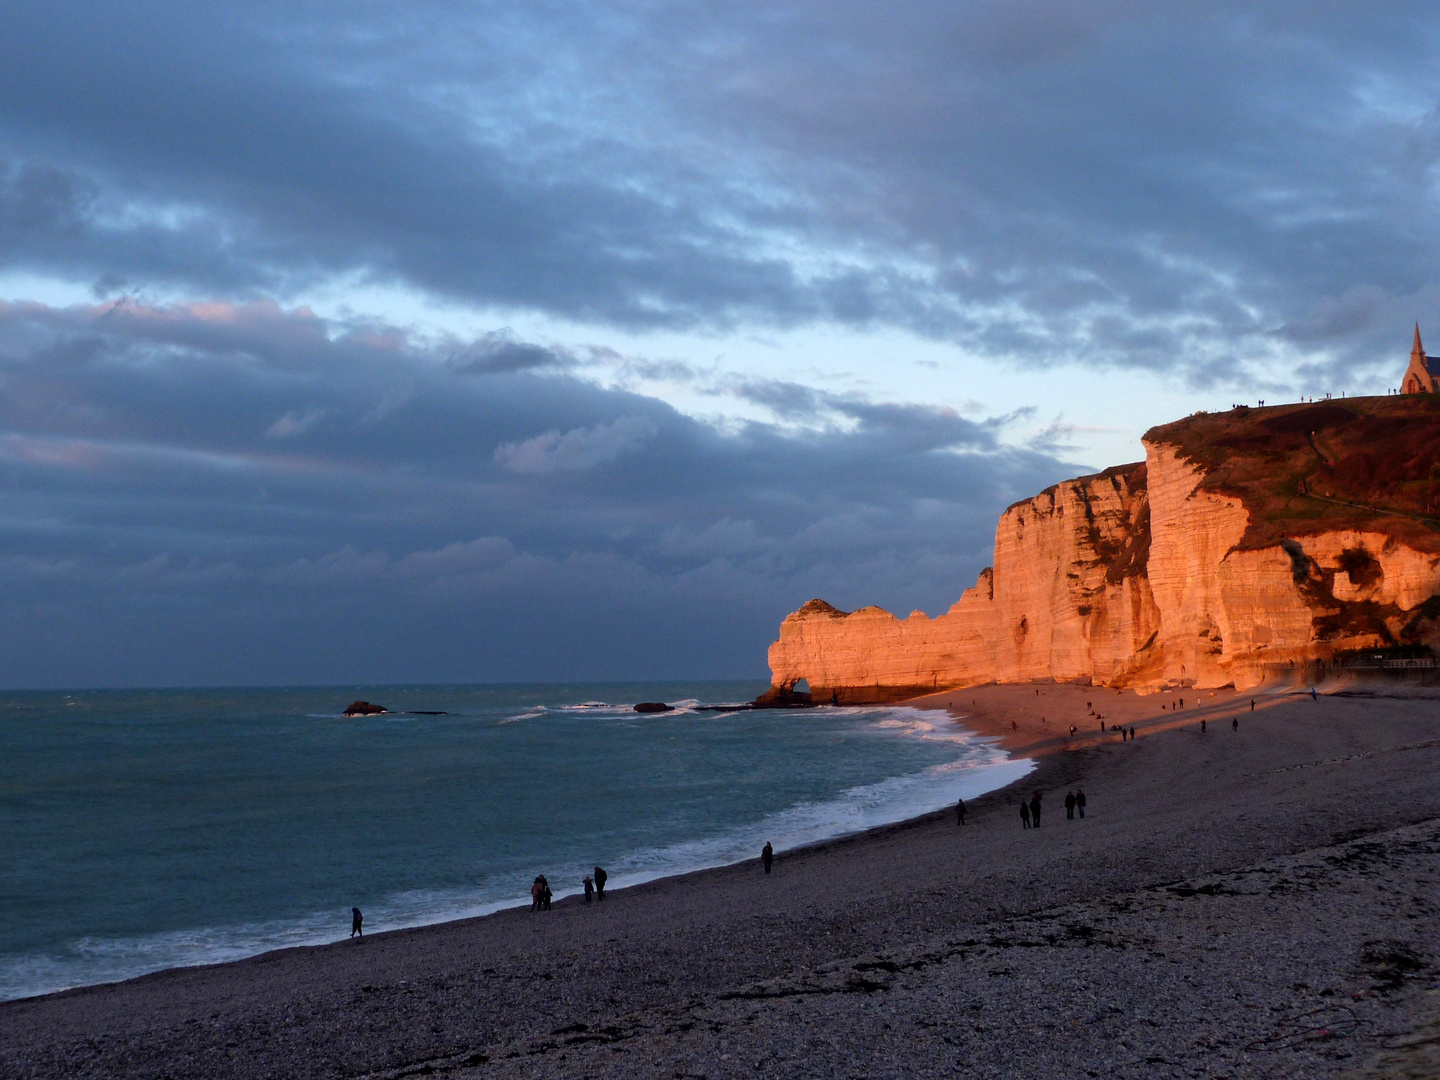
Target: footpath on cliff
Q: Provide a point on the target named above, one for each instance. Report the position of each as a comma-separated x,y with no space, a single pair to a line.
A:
1256,902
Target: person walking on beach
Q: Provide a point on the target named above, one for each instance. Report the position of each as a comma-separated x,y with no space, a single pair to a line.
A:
1080,801
1235,724
600,876
1035,810
355,920
1024,814
1069,806
1132,733
767,856
1252,704
1202,727
589,884
959,811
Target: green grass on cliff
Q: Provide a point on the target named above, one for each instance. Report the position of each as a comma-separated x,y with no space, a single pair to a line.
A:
1360,463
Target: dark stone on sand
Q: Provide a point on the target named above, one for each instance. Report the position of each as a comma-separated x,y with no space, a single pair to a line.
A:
653,706
365,708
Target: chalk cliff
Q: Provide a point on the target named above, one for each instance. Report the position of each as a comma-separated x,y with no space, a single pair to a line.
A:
1245,540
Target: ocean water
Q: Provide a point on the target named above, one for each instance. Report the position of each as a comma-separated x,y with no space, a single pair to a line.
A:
149,829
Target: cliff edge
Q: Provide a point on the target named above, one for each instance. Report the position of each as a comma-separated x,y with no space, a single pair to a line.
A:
1248,539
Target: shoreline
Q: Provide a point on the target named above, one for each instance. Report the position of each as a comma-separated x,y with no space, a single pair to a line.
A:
856,940
989,716
570,894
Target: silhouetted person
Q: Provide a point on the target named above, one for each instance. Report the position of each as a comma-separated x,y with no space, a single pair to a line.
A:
1035,810
355,920
1069,806
1132,733
1024,813
589,888
544,893
1080,801
536,892
1312,693
600,877
1252,704
767,856
1202,727
959,811
1235,724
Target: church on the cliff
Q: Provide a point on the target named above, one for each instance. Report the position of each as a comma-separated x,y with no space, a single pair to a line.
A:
1423,374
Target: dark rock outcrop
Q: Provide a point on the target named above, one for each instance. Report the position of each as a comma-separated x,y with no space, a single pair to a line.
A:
365,708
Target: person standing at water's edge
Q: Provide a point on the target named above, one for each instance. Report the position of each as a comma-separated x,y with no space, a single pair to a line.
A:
959,811
589,884
767,856
355,920
600,876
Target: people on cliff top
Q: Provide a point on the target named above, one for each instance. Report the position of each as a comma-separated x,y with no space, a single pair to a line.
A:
1035,810
767,856
1024,814
1069,806
1080,801
600,877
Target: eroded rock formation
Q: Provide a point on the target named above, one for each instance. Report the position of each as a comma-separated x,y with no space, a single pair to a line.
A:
1245,540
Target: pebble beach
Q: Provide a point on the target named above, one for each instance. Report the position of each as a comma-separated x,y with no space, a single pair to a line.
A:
1237,903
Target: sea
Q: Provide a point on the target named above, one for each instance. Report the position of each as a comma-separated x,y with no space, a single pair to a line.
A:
148,829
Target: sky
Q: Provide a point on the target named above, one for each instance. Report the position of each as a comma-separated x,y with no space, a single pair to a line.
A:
364,343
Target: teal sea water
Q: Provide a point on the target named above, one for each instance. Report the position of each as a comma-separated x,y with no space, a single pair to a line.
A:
150,829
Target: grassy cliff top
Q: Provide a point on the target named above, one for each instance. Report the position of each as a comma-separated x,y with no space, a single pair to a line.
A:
1368,464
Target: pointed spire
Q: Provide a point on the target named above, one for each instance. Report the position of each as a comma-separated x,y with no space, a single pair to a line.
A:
1417,349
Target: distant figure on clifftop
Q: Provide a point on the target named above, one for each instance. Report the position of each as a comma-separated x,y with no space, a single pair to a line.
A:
767,856
1035,810
599,883
1024,813
959,811
355,920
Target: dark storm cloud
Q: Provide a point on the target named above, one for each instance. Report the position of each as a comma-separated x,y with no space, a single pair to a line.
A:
1182,187
218,492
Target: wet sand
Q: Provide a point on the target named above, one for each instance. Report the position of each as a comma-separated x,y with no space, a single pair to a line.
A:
1259,902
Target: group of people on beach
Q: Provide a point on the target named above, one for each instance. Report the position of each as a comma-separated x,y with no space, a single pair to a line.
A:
1030,811
541,896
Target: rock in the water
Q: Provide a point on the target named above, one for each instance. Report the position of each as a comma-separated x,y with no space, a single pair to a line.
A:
365,708
653,706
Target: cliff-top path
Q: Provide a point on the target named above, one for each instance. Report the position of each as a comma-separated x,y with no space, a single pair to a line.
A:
1251,903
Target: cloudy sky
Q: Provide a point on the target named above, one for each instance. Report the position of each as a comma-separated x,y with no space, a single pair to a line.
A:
556,340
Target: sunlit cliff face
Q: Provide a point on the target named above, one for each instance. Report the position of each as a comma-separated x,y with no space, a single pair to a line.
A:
1235,550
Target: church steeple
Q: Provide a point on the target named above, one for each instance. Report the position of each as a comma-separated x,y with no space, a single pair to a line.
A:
1418,377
